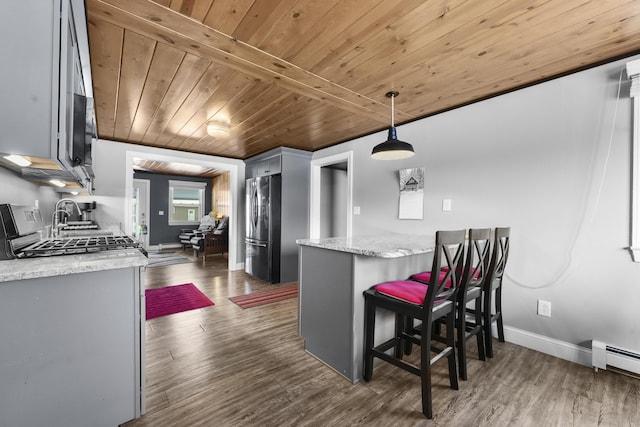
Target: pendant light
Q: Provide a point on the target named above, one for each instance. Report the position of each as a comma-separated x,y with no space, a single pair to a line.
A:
392,148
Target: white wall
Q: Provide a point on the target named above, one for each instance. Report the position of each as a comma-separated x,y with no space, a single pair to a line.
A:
114,182
553,162
17,191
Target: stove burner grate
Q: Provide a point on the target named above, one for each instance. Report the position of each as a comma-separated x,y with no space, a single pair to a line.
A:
78,245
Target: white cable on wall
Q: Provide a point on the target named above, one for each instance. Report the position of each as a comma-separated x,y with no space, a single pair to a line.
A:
588,213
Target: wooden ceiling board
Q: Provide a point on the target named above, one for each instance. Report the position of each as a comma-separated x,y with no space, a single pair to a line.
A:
259,19
310,73
255,101
165,3
164,66
345,47
337,26
105,71
314,35
293,24
215,107
443,36
195,9
491,71
191,70
133,75
456,37
167,26
211,81
225,15
277,126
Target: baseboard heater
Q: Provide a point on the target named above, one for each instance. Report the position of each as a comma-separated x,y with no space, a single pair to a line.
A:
603,355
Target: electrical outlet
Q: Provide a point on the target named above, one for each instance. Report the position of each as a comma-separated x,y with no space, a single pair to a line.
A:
544,308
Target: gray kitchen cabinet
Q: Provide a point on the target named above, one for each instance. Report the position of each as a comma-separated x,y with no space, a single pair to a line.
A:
294,167
264,166
73,348
40,85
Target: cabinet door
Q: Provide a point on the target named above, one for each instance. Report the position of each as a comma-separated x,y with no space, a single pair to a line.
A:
70,80
250,170
29,77
275,165
262,168
270,166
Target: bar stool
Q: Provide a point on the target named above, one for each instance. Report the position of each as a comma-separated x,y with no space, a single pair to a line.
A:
409,300
475,269
492,288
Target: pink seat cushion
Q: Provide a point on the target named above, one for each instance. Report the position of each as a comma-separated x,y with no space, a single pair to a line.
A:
425,277
406,290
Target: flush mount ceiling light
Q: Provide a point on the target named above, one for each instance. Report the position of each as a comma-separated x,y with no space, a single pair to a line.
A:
392,148
18,160
57,183
218,129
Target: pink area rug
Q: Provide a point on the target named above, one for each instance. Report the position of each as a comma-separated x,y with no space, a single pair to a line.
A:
282,292
174,299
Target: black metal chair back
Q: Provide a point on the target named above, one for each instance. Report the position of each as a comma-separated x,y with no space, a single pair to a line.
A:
492,287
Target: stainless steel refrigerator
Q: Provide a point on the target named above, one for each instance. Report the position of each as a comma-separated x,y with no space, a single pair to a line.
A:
262,242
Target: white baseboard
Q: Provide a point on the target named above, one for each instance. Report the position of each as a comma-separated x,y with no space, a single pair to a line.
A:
564,350
165,246
238,266
550,346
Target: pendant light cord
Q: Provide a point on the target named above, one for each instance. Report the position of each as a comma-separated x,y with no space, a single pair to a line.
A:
392,109
392,94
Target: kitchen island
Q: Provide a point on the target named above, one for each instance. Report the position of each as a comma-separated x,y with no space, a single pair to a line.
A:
333,274
72,339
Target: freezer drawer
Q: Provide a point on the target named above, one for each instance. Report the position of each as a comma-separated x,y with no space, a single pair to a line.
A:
259,261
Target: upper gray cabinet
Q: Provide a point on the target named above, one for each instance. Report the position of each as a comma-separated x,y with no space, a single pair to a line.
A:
43,88
264,166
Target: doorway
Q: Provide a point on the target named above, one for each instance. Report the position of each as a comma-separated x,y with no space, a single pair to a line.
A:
331,196
140,211
235,169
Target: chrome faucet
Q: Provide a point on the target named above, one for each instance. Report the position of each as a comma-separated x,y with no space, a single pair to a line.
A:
54,217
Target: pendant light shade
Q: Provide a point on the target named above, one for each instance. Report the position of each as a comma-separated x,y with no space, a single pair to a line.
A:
392,148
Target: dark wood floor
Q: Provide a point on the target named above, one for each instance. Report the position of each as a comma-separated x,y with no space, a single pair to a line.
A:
225,366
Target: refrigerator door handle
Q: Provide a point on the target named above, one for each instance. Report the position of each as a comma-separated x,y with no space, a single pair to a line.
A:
261,245
254,208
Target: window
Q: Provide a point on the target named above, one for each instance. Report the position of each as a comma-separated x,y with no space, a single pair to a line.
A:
186,202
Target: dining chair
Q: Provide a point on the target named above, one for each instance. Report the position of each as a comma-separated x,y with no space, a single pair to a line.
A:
410,299
475,269
492,288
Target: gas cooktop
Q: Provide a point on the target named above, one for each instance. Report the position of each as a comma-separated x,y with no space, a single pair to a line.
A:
79,245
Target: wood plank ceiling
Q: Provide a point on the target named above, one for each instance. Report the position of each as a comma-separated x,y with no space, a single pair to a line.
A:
308,74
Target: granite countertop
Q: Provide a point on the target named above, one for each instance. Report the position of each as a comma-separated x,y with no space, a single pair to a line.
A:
389,245
31,268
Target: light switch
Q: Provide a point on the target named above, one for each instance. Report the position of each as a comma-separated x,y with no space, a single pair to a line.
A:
446,204
160,213
356,210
